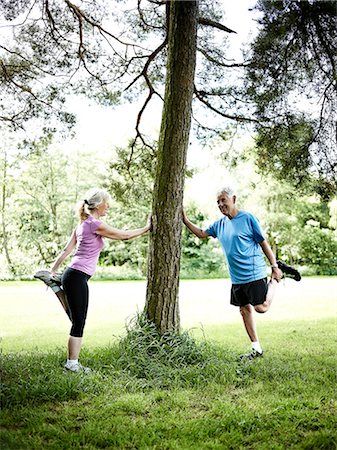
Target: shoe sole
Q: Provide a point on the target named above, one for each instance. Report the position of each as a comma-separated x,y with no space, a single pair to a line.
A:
288,270
46,277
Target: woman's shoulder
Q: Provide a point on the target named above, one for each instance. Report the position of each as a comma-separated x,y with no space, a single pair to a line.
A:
93,223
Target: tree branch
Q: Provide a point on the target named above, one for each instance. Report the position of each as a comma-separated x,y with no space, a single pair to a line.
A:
218,63
142,18
78,12
150,57
201,97
12,121
211,23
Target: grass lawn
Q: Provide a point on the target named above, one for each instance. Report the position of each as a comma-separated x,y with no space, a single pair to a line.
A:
197,396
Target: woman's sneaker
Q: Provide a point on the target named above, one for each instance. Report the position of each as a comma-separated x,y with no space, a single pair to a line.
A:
78,368
288,270
54,282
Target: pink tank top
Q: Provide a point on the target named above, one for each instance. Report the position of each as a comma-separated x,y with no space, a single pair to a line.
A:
89,246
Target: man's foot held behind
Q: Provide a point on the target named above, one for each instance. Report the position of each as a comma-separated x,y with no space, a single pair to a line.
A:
291,272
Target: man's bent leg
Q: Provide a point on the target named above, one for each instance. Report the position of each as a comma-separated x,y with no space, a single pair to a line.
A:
263,307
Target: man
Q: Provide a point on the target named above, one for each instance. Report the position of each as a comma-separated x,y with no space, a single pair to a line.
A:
242,239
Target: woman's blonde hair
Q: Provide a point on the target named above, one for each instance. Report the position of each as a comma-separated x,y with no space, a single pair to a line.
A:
92,199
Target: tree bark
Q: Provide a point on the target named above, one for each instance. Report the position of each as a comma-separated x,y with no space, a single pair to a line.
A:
162,305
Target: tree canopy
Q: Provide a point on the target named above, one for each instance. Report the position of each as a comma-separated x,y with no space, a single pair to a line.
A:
292,81
117,50
109,52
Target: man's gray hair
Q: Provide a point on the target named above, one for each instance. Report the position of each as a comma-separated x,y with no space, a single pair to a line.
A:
226,190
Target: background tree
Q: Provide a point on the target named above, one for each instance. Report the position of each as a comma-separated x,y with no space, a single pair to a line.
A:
39,192
292,81
7,183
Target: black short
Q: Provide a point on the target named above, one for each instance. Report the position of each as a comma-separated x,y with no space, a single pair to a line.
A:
253,293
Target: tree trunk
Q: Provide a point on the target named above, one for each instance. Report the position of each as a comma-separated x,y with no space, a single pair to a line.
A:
162,306
3,217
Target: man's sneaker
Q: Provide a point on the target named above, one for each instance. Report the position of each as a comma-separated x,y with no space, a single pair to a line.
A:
78,368
288,270
251,355
53,282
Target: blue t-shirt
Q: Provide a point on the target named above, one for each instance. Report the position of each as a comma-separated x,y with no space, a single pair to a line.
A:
240,238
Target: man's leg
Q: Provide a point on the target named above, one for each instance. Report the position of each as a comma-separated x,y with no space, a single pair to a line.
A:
240,296
247,313
263,307
249,321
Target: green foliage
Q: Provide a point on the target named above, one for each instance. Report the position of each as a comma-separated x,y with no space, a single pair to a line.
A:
201,258
318,248
131,175
283,150
126,272
291,219
39,206
130,179
291,80
42,187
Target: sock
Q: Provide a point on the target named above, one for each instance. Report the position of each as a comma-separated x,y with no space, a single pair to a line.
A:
256,346
72,362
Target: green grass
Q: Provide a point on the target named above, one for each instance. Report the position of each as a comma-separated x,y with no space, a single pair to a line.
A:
150,394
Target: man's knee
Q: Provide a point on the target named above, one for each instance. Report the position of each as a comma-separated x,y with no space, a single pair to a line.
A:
245,310
260,309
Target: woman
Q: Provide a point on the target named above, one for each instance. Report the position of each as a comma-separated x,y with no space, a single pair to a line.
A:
87,238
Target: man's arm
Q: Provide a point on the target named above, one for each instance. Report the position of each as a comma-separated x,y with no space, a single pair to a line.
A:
276,272
202,234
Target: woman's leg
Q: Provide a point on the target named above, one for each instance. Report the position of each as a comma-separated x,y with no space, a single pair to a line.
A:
75,284
63,300
74,347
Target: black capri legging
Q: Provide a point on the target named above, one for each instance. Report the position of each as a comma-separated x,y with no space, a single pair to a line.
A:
75,285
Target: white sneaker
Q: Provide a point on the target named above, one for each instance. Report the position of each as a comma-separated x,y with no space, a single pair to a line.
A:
77,368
